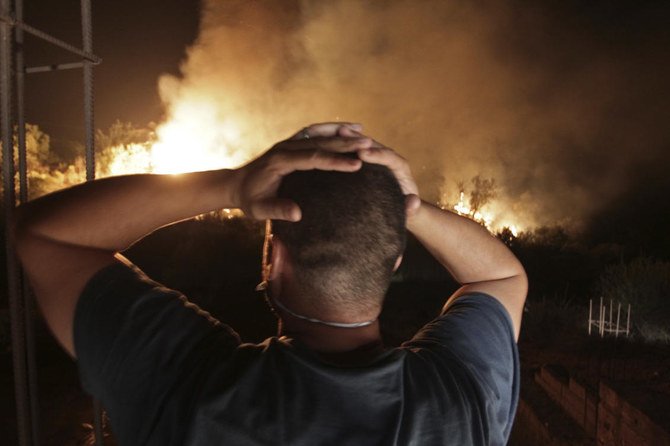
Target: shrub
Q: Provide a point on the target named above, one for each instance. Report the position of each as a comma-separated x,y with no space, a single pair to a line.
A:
551,320
644,283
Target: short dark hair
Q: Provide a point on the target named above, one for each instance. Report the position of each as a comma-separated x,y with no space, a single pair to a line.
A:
352,231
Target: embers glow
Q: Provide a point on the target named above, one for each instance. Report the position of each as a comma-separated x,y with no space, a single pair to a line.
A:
130,158
486,217
480,216
194,139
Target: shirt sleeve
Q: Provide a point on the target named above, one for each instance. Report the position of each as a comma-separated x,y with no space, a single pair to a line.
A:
476,334
139,344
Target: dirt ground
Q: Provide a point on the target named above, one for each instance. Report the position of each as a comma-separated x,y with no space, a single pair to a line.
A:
639,372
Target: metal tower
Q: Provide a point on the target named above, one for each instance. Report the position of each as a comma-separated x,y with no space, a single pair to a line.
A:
13,70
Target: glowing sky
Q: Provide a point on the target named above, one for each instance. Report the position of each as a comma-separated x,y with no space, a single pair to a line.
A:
565,104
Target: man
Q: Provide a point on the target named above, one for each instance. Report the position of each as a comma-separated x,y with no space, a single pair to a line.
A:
169,374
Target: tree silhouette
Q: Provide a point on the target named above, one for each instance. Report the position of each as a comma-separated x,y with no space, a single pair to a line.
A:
482,192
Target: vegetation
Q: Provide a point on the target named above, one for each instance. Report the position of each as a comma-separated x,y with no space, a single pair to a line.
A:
50,170
551,321
644,283
483,190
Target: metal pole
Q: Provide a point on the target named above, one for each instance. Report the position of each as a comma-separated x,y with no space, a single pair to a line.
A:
53,67
87,36
9,202
48,38
602,321
611,306
20,117
28,299
590,314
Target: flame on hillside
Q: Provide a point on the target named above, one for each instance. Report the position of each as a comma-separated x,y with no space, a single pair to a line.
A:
194,139
488,216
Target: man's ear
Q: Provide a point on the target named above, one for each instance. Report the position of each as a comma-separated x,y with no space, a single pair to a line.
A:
397,263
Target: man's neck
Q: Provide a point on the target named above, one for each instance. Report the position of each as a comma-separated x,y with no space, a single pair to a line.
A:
325,339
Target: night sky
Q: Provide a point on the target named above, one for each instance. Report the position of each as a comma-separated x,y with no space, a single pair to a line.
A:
137,40
565,103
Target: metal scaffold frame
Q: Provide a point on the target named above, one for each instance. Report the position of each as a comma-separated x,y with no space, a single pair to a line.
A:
12,126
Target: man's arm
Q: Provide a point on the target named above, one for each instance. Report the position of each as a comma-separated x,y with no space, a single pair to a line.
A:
476,259
64,238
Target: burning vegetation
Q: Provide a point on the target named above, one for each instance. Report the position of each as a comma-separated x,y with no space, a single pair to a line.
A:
480,205
168,149
123,149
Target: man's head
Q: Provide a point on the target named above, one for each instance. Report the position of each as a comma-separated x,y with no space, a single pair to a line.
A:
343,251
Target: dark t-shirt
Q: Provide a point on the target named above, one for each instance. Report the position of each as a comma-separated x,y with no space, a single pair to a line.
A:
169,374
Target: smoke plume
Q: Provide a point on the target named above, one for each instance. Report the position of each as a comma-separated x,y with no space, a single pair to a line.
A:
563,104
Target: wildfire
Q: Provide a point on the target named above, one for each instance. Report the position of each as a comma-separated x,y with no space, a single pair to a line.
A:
463,209
182,146
130,158
485,216
194,139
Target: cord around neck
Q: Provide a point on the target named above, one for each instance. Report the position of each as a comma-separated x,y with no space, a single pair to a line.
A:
263,287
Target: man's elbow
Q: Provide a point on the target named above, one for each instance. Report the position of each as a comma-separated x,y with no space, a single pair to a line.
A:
514,284
518,275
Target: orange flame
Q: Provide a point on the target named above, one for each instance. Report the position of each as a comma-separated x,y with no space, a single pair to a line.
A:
485,216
